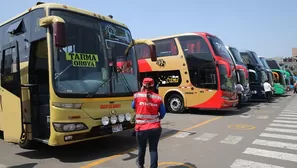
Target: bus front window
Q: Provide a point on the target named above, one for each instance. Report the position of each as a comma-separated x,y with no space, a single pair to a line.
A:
117,40
227,83
88,63
264,76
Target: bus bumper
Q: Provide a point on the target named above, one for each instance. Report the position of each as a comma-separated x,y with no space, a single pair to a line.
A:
228,103
95,132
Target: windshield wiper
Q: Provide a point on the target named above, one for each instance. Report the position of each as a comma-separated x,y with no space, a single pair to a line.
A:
126,82
91,94
59,74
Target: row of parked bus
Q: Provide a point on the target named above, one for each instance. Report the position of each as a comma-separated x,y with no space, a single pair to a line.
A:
68,75
197,70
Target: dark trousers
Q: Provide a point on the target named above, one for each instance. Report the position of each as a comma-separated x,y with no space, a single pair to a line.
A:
268,95
295,90
152,136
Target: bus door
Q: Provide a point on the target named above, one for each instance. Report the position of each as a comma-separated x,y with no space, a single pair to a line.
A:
11,102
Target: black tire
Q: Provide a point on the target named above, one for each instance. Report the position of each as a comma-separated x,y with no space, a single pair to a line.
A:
25,143
175,104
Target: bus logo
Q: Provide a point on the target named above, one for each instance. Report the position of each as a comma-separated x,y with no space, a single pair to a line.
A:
161,63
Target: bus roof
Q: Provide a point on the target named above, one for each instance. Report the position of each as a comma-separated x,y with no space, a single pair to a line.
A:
61,6
182,34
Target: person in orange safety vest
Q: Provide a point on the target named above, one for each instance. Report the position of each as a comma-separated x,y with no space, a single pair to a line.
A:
149,109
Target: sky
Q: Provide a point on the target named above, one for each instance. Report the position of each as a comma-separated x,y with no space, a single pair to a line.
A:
268,27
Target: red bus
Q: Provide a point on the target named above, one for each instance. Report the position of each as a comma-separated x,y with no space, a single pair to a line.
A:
193,70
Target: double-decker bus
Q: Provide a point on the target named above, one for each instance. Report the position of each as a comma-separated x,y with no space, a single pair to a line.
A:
257,73
268,71
59,79
279,77
193,70
242,72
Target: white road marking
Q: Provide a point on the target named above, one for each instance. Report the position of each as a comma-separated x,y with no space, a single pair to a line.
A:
283,125
271,154
284,121
288,112
275,106
281,130
245,116
182,135
279,136
240,163
206,137
262,117
232,139
287,115
286,118
275,144
3,166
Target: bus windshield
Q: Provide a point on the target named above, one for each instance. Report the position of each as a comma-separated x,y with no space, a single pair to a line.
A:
236,55
257,59
273,64
219,47
242,78
264,62
88,63
264,76
227,83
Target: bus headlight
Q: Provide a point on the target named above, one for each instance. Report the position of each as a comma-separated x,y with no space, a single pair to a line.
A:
68,105
121,117
105,120
128,116
113,119
69,127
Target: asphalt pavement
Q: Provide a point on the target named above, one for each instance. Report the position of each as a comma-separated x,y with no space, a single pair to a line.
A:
259,135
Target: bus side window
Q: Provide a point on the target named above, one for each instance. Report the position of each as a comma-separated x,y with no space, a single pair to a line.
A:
142,51
166,47
8,62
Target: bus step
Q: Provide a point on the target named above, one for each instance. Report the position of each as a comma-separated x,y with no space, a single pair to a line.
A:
42,140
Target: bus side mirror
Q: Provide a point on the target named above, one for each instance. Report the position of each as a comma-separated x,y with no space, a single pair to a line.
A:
153,53
59,32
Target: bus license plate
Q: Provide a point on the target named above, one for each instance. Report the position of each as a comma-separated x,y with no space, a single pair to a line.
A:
117,128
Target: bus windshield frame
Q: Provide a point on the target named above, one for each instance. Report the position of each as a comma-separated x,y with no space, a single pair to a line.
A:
89,37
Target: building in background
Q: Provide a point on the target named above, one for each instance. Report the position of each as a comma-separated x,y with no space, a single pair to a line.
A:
294,52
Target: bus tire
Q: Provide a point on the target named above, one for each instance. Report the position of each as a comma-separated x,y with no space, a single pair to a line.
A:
25,143
175,103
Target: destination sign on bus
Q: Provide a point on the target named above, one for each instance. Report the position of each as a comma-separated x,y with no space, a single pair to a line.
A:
82,59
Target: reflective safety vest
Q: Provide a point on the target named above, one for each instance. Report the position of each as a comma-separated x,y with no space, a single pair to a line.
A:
147,110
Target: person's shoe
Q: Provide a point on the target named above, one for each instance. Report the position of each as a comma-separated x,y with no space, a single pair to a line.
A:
138,165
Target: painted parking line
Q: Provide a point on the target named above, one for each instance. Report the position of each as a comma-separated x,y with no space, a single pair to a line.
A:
232,140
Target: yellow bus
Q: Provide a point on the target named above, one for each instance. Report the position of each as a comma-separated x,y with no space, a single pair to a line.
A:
193,70
60,83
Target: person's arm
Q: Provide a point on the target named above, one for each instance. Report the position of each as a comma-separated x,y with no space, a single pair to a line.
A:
133,104
162,111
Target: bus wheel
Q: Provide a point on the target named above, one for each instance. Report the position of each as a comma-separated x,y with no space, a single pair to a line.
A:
175,103
25,143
